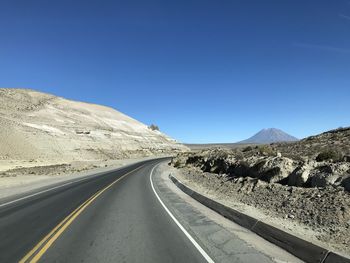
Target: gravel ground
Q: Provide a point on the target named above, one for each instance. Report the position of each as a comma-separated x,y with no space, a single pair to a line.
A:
320,215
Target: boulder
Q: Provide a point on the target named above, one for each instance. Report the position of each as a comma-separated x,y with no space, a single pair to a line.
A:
240,169
346,158
274,169
299,176
346,183
323,176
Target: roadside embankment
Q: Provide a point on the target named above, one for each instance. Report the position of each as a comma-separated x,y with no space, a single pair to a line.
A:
319,214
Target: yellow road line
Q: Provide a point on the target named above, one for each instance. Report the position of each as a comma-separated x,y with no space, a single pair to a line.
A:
50,238
30,253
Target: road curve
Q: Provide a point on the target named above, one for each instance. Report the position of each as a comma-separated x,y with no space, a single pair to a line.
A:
114,217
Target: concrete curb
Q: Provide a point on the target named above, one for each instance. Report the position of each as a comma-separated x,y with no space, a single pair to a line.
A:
300,248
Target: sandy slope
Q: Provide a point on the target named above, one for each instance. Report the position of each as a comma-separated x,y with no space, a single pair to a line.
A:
41,129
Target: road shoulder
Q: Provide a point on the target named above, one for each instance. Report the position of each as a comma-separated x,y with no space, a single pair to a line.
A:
224,240
29,187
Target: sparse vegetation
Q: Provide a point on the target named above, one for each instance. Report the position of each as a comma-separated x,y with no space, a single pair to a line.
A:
153,127
266,150
329,154
247,149
177,164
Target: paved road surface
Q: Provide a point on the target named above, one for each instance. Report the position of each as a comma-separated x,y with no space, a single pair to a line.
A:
114,217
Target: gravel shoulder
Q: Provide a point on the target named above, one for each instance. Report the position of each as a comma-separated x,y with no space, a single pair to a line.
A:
263,201
225,240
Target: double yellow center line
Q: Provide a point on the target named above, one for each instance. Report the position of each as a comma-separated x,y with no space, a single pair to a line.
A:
39,250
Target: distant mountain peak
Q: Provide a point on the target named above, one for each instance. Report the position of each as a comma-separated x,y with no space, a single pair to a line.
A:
270,135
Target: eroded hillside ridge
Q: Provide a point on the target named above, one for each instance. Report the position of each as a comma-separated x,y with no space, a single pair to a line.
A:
38,126
305,183
317,161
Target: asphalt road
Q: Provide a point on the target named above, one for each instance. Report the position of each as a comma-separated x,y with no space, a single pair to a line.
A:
123,223
132,214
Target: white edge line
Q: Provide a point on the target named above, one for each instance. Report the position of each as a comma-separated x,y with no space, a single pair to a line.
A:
38,193
193,241
59,186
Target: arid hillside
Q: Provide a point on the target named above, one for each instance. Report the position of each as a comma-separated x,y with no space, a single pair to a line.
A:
316,161
41,127
304,185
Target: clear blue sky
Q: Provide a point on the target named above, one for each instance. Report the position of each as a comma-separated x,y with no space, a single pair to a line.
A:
204,71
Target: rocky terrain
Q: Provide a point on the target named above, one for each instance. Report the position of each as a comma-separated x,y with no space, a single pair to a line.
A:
42,130
305,182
